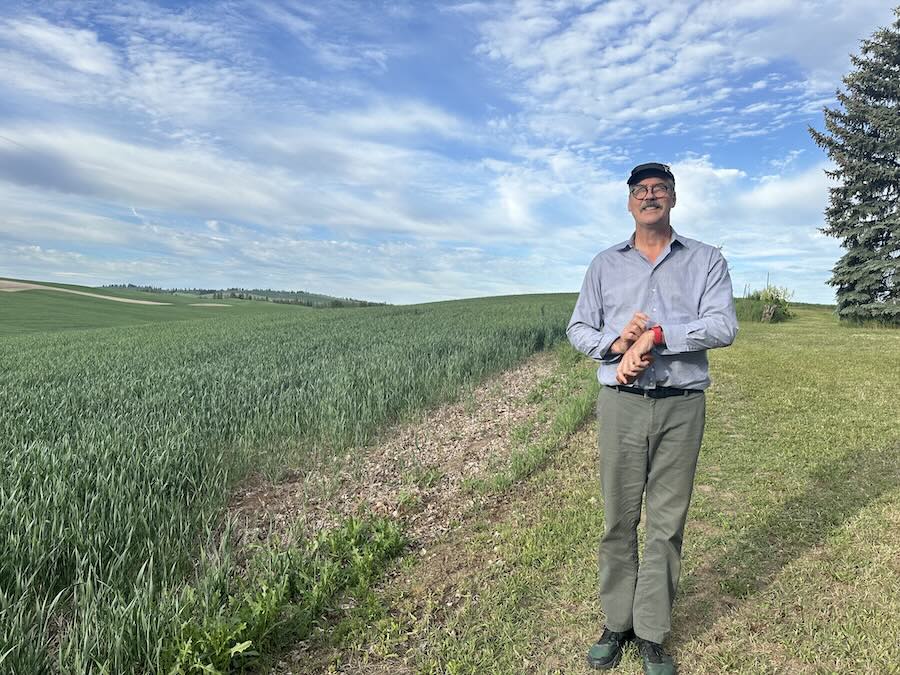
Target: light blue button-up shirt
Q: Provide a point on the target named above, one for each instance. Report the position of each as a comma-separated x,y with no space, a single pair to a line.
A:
687,291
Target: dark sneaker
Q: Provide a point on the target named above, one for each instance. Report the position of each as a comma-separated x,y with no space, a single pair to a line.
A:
607,652
655,660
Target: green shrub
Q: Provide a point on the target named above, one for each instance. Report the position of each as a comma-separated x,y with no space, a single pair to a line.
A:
769,305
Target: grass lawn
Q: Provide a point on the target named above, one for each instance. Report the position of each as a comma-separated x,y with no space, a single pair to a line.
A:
791,557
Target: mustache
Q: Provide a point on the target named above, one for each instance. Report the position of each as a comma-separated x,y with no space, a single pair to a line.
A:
650,203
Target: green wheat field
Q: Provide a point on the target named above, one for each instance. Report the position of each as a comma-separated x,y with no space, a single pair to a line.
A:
124,429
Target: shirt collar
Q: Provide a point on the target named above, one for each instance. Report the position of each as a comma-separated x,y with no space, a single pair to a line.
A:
629,243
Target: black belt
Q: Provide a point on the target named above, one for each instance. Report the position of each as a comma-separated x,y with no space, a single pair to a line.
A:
659,392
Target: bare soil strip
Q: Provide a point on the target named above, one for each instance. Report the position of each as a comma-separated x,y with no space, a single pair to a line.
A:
15,286
416,473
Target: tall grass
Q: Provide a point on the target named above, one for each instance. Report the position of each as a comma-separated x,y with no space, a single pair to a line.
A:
769,305
118,447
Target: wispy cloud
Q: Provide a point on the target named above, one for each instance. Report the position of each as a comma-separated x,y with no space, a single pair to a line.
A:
594,69
68,48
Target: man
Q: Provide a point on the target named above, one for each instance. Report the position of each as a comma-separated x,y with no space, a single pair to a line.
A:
648,310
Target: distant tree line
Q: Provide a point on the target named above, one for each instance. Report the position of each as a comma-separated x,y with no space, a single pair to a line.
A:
303,298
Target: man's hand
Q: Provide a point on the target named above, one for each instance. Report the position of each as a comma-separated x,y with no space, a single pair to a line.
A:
632,332
636,360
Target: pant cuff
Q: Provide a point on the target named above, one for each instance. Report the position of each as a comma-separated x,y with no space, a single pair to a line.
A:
650,636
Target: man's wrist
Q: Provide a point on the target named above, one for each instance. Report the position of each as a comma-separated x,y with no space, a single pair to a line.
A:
619,346
658,337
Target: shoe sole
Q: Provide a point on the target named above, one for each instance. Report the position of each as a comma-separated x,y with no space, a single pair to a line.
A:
605,666
647,672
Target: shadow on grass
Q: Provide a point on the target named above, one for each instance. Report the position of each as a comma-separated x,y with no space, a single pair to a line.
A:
837,489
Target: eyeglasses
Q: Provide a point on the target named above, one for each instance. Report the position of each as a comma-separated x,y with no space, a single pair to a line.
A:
657,190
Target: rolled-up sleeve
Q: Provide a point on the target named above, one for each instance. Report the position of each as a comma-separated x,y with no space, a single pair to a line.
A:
586,327
716,325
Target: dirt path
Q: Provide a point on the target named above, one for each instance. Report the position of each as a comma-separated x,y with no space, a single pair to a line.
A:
416,473
16,286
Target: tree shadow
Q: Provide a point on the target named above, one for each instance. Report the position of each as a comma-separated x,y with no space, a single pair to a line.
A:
837,490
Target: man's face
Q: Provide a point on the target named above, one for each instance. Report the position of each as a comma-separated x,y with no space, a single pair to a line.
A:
652,209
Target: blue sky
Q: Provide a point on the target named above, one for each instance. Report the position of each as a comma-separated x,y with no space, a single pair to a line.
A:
408,152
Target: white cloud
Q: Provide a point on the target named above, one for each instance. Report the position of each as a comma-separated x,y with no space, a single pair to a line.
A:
592,70
468,8
292,177
26,76
823,52
73,267
782,163
396,117
322,33
388,271
761,107
71,48
166,83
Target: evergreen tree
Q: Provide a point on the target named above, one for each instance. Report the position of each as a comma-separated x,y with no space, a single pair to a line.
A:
863,140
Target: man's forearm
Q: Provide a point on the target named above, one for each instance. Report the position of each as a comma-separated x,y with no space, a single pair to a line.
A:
591,341
707,333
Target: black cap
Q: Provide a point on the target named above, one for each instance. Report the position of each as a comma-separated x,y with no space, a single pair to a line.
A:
642,171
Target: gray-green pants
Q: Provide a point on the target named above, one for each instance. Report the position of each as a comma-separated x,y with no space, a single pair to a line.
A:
645,444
